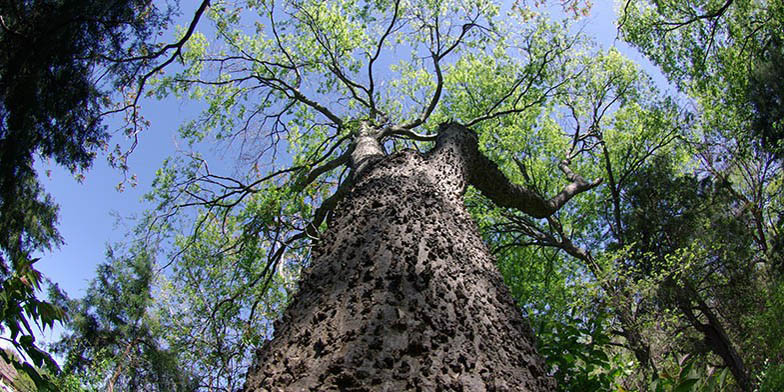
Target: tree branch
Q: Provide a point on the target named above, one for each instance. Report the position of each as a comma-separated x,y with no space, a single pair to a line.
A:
485,175
489,180
371,83
437,56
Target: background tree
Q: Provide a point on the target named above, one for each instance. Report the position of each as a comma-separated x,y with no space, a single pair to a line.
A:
712,52
61,64
766,94
708,50
701,256
717,53
213,308
114,332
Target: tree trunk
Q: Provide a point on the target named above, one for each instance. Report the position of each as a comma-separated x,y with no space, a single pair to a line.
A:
402,293
714,335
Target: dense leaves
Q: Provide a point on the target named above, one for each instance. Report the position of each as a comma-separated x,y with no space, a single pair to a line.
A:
667,277
766,94
114,337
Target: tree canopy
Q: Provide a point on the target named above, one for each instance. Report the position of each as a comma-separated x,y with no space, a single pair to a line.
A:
648,251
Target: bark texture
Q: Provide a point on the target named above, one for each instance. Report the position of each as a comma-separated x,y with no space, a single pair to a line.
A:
402,293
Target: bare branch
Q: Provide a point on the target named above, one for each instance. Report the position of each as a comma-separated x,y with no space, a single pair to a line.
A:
371,86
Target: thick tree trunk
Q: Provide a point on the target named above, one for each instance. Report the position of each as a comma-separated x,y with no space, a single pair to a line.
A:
402,293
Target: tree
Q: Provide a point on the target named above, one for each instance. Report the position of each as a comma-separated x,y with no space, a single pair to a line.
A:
700,254
62,60
718,54
213,312
114,337
646,153
617,115
427,310
309,78
766,94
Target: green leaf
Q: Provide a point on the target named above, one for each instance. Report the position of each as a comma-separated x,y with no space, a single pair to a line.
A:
686,385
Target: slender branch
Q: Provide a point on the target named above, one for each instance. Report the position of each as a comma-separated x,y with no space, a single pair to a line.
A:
8,29
371,86
177,46
710,15
334,65
299,96
280,44
437,56
616,196
267,272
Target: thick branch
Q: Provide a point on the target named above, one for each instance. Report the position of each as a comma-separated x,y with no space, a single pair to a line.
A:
327,206
366,149
489,180
398,131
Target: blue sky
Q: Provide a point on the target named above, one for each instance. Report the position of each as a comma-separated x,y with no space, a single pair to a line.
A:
88,210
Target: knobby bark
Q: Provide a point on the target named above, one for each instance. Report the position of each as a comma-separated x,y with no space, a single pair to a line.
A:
402,293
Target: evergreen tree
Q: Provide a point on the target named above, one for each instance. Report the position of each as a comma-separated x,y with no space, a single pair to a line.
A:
114,332
60,65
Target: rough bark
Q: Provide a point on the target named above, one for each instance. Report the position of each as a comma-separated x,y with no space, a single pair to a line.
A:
402,293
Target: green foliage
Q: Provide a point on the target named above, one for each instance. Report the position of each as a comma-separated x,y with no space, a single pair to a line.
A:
712,51
769,330
206,308
687,375
766,94
215,306
771,378
114,332
20,307
577,352
22,382
720,54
